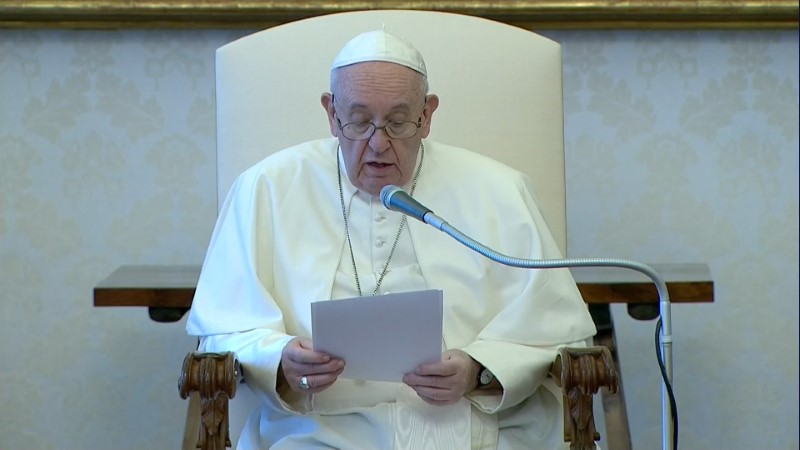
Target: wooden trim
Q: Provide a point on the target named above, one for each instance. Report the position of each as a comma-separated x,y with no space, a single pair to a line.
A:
679,292
155,286
174,286
531,14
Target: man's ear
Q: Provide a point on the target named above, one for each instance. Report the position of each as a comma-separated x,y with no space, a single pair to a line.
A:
327,104
431,103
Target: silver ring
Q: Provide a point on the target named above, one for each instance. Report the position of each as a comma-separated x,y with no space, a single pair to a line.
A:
304,383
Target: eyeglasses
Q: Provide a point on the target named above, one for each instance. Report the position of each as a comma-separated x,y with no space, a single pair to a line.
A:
361,131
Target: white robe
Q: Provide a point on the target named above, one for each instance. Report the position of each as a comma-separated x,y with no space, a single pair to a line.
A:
276,248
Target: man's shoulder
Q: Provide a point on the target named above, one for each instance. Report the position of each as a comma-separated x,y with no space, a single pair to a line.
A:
467,162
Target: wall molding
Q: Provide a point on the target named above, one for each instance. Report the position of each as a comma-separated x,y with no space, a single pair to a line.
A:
533,15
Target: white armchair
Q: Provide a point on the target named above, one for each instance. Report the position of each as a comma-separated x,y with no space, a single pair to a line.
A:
501,94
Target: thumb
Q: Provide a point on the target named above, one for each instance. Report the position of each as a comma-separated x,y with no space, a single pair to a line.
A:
306,343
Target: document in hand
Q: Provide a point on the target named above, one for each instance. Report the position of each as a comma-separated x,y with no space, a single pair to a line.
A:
380,338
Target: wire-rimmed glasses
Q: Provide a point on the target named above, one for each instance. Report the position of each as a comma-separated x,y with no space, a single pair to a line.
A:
361,131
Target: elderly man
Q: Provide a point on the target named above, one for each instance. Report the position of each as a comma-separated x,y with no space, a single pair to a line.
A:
306,224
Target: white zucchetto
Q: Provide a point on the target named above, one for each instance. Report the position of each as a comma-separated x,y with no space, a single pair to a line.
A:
379,46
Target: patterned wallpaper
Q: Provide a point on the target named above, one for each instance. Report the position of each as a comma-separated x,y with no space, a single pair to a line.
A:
681,147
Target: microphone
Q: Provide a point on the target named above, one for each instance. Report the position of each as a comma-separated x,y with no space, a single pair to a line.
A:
396,199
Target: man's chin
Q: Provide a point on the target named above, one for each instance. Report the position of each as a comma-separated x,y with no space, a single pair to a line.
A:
374,188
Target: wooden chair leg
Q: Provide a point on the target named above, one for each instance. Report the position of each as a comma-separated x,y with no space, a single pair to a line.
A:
191,430
581,372
212,377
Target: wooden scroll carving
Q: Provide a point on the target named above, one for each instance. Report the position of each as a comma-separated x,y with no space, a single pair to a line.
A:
581,372
213,376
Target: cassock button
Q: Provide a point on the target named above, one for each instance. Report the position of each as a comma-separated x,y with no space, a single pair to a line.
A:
378,243
379,218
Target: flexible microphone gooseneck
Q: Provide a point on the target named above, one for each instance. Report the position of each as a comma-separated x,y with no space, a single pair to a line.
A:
396,199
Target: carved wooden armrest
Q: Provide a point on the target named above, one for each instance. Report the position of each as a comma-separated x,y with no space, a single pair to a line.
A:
213,377
580,372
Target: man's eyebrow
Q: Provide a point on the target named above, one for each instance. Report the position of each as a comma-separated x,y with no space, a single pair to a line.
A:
358,107
405,107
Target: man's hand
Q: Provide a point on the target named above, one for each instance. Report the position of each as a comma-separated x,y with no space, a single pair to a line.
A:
445,382
299,360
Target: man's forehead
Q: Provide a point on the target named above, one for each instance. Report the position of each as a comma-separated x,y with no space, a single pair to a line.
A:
378,85
356,106
378,76
378,105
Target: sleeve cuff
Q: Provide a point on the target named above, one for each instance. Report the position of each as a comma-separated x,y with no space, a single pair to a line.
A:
519,369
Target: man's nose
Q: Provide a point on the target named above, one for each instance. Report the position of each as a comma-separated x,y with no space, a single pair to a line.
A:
379,141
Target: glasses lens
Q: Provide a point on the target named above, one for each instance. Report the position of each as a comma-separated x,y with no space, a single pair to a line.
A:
365,130
358,131
401,130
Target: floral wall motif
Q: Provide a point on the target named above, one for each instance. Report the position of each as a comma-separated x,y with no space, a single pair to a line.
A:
682,146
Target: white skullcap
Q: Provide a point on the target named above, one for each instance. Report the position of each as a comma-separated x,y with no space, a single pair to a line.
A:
379,46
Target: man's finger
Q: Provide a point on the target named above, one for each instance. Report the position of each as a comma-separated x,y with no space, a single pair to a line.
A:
436,396
317,383
305,342
301,355
440,369
436,382
332,366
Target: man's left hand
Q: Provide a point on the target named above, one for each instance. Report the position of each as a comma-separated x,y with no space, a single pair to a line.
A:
445,382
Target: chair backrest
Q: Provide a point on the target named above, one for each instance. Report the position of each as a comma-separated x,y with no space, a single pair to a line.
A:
499,89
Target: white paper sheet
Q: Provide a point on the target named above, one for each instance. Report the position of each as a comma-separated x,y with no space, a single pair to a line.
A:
380,338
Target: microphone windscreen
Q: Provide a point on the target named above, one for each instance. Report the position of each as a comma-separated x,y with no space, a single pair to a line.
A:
386,194
396,199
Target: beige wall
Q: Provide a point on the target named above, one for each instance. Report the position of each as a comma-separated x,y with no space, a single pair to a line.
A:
681,147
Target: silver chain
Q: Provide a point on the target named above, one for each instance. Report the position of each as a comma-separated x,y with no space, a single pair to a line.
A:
399,230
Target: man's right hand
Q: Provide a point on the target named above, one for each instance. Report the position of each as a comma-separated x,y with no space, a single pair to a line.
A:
299,360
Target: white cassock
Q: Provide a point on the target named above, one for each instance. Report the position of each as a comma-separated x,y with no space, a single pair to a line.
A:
280,244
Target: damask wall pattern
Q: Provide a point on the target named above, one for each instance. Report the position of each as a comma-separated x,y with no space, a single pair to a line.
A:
681,147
